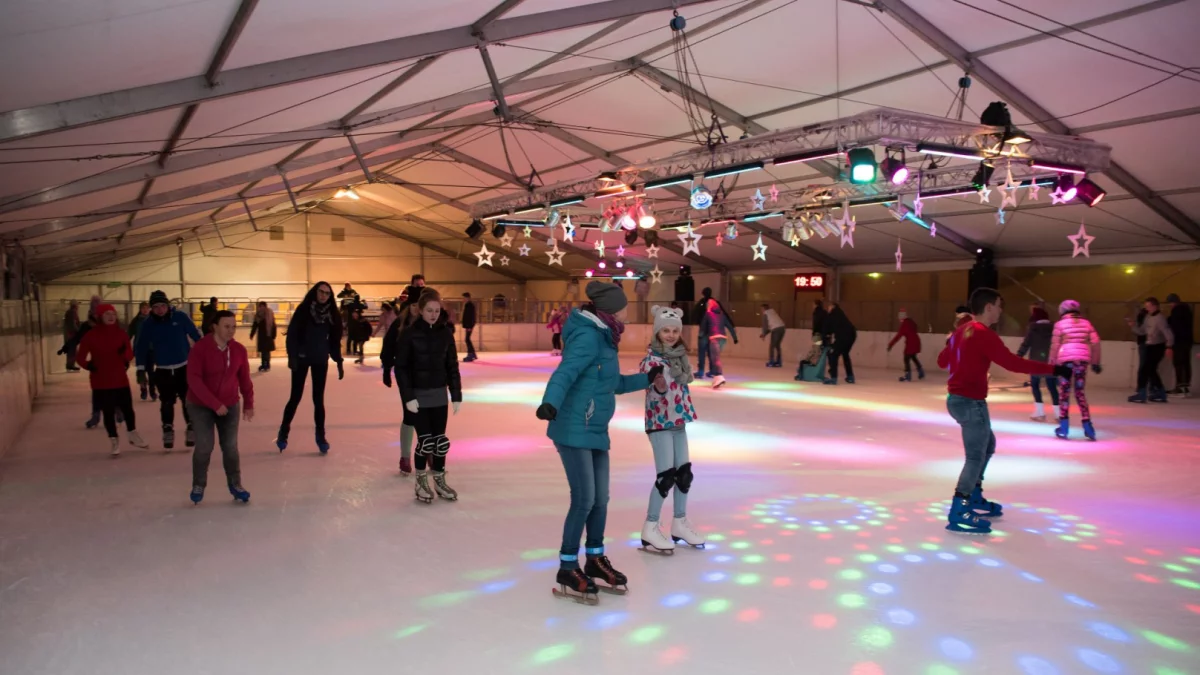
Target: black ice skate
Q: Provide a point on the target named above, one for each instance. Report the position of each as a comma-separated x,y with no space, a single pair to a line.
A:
576,585
614,582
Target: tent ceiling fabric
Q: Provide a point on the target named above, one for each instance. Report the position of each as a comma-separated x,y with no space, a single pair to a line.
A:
92,93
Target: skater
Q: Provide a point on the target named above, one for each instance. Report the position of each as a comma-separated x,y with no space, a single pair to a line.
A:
773,326
669,410
912,347
387,314
411,294
70,329
164,334
264,327
1180,323
968,354
71,346
360,331
145,378
558,316
843,333
1075,345
1038,336
819,315
387,358
812,366
314,337
715,329
105,352
207,314
1159,340
579,402
468,324
218,370
426,367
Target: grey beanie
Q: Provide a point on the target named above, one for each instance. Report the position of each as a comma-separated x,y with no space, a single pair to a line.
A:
608,298
1173,298
666,316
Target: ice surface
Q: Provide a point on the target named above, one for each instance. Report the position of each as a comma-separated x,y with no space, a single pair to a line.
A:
824,506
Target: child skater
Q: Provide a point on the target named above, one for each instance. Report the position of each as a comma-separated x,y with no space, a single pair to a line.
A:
555,325
1037,345
912,346
968,354
1075,344
579,402
669,410
105,352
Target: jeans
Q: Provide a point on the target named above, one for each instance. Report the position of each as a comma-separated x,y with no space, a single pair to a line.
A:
841,348
1079,380
299,374
430,425
171,385
1148,370
226,427
587,474
112,400
670,452
909,361
979,443
470,345
715,347
1035,381
702,346
775,355
70,348
1182,358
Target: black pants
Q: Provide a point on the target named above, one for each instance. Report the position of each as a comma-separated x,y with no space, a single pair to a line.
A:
112,400
1148,371
909,361
1182,358
556,341
171,386
841,348
320,372
432,444
145,380
265,356
470,345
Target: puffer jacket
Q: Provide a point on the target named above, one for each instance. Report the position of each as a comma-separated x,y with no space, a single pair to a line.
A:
1037,341
1072,340
311,343
584,387
912,339
166,337
425,358
105,353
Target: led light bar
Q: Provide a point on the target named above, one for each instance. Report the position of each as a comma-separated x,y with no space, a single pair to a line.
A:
567,201
510,222
951,151
493,216
1061,168
730,170
762,215
614,192
528,209
812,155
667,182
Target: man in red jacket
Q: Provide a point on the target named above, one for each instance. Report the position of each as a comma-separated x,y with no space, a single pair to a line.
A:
217,370
912,347
969,352
105,353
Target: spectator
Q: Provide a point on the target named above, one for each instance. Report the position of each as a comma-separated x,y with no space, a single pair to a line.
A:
207,314
70,329
773,325
264,328
468,324
842,331
1181,321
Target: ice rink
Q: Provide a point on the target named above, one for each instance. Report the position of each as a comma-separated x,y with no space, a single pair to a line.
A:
824,507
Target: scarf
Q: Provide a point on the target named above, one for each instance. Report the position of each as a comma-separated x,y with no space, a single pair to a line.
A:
676,357
320,312
615,327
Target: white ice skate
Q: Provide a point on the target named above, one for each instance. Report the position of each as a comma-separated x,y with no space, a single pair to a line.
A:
421,487
441,488
116,446
718,381
681,531
136,440
1039,413
654,541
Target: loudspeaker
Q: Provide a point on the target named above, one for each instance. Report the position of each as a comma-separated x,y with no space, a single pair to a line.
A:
475,229
984,274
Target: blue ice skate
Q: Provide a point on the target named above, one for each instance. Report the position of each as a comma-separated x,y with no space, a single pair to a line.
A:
1064,428
239,493
197,494
322,445
984,507
1089,430
965,521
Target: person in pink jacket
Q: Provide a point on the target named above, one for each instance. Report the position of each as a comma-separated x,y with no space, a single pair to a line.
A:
1074,344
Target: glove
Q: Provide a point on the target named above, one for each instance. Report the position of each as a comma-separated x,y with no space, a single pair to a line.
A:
654,372
62,351
455,406
341,371
1097,368
412,406
121,349
1063,371
546,412
91,367
387,378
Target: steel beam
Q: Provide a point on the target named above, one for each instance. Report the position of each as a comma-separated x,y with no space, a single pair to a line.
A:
684,91
1134,121
934,37
497,88
479,165
36,120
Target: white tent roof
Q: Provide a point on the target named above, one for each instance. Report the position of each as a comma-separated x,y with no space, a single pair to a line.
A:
237,93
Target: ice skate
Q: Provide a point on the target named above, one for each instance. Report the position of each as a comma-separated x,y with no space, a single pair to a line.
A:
1064,428
576,585
189,436
920,373
850,379
239,493
1088,430
1039,413
984,507
699,375
136,440
145,394
718,381
281,439
115,444
168,436
907,377
653,540
598,567
405,466
681,531
421,488
965,521
829,380
197,494
1139,397
92,421
322,445
444,491
1158,396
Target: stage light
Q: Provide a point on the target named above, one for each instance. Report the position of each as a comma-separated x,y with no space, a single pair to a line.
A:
951,151
498,230
1067,185
475,229
631,237
1089,193
810,156
553,218
1014,136
862,165
602,264
1060,168
626,221
646,219
982,175
894,170
620,264
650,237
730,170
589,274
608,177
347,192
629,273
666,182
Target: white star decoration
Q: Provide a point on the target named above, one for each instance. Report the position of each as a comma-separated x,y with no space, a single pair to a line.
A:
899,255
932,229
1083,236
1010,191
848,237
845,223
599,247
556,256
691,241
656,275
652,251
1057,197
504,261
759,200
620,250
774,194
760,249
507,240
985,194
1033,190
568,229
484,256
918,206
1000,215
528,232
524,250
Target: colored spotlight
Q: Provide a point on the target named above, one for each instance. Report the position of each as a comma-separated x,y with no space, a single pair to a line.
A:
1089,193
862,165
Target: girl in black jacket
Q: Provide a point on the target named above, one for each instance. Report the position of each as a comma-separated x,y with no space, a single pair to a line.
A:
1037,345
426,366
314,336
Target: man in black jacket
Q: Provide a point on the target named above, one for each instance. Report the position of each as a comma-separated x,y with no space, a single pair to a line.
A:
818,320
468,324
1181,322
838,326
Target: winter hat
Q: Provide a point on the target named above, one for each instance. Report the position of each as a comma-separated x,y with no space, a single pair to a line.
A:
101,309
1173,297
706,293
608,298
665,316
903,313
1068,306
159,298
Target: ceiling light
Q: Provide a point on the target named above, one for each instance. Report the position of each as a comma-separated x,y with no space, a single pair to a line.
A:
620,264
982,175
894,170
646,219
667,182
1067,185
626,221
493,216
1014,136
602,264
567,201
608,177
615,191
629,273
1089,193
1060,168
589,274
475,229
809,156
754,217
862,165
528,209
951,151
730,170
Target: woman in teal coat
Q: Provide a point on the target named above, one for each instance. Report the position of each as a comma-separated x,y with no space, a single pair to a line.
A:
579,402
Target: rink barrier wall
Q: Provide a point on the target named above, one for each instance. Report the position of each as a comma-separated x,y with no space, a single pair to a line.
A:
21,374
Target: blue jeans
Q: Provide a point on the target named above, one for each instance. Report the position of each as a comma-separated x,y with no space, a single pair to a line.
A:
701,353
979,443
587,474
1035,381
670,452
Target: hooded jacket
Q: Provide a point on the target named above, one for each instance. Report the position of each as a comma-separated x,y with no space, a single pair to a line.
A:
216,376
425,358
1180,322
105,352
1037,340
311,343
584,387
166,337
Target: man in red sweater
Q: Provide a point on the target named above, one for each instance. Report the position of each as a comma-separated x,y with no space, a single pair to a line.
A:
969,352
912,347
105,352
217,370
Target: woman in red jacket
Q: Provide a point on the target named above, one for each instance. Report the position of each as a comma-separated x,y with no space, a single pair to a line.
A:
912,347
105,352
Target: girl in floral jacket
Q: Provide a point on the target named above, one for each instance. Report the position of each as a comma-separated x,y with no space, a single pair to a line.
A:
669,410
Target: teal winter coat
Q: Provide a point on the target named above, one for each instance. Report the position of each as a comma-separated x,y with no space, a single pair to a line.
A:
584,387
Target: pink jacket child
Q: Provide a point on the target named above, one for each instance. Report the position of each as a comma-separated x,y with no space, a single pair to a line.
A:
1076,344
558,316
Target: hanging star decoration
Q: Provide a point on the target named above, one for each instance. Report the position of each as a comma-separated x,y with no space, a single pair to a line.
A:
524,250
620,250
899,255
1010,191
691,241
720,238
985,194
528,232
918,206
758,200
932,229
848,237
568,229
1000,216
845,224
760,249
652,251
1058,196
507,240
556,256
504,261
484,256
1085,238
599,247
774,194
656,275
1033,191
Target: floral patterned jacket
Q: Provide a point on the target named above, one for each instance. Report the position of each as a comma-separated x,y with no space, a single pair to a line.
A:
672,409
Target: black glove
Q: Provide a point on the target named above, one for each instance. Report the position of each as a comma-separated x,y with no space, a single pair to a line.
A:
62,351
121,349
387,378
341,371
1063,371
654,372
546,412
91,367
1097,368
